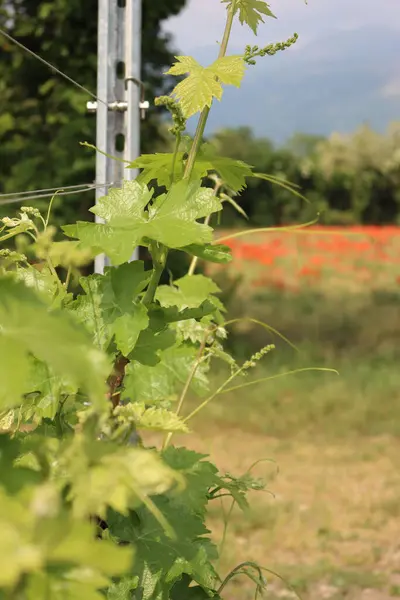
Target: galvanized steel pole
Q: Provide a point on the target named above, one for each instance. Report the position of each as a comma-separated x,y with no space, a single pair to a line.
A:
119,86
133,30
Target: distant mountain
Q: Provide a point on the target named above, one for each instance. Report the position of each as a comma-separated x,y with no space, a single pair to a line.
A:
331,84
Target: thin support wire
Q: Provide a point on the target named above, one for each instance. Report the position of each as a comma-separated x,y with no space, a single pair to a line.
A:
54,189
15,198
50,66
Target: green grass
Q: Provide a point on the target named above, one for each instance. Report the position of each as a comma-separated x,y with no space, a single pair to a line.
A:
364,399
359,337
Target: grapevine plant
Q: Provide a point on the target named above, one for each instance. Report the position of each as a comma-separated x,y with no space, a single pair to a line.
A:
87,509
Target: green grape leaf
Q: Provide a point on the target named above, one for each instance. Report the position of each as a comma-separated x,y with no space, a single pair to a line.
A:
250,11
196,285
128,281
87,310
14,372
149,345
110,305
148,384
183,589
204,83
158,167
203,480
216,254
180,361
90,308
126,202
174,220
67,254
189,292
43,282
13,477
118,244
170,221
238,487
77,545
45,387
123,589
174,315
200,475
191,330
17,552
151,585
232,172
114,477
42,585
128,326
52,338
192,552
198,89
152,418
229,69
34,534
7,419
162,560
161,383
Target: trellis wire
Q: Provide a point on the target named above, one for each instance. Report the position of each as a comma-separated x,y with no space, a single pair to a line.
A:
50,66
16,197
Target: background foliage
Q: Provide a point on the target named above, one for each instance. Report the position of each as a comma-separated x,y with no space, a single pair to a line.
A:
42,117
348,179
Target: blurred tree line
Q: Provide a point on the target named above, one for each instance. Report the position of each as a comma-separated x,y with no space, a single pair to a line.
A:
348,179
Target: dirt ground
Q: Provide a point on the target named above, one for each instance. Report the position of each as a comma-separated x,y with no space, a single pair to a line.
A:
331,524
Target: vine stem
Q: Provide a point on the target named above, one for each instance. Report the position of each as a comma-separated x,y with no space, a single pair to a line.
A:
159,265
206,111
239,570
176,150
224,390
216,393
277,376
189,380
7,236
159,256
288,228
226,517
46,222
68,279
116,378
195,259
55,275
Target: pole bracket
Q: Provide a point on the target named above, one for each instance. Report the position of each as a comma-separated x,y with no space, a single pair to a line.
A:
119,107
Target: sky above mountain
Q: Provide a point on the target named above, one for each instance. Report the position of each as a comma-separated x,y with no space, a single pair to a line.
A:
343,71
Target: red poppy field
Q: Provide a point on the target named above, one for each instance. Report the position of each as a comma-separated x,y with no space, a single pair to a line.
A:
331,259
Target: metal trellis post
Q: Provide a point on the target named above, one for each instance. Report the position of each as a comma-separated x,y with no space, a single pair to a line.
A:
119,86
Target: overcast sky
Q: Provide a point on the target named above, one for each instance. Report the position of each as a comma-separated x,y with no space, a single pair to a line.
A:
201,23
